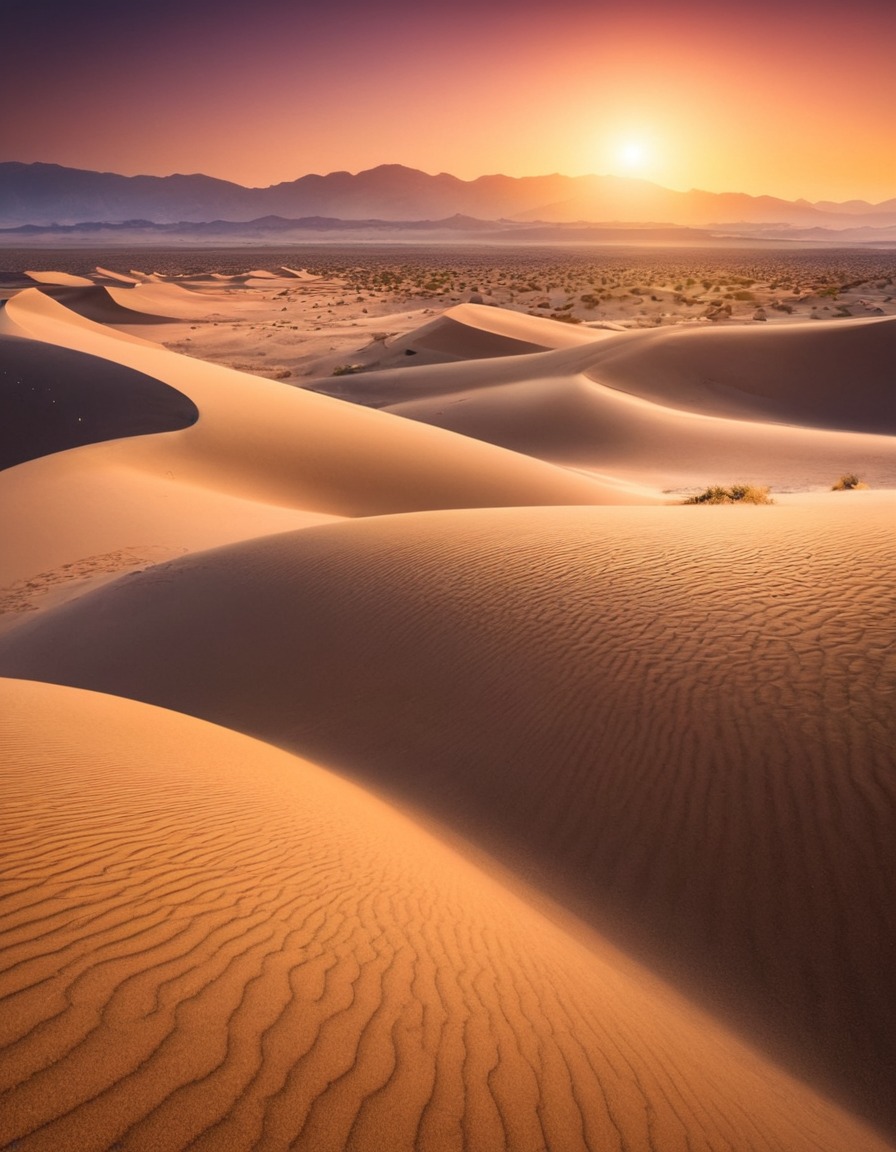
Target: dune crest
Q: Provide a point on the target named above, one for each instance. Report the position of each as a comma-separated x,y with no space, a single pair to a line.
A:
664,408
602,854
284,445
266,957
659,750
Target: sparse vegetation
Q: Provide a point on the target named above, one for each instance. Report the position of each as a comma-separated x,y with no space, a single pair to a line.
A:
735,494
347,369
847,482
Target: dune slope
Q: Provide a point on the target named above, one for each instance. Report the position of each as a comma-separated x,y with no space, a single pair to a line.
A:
106,305
790,407
829,374
211,944
682,716
264,440
476,331
54,399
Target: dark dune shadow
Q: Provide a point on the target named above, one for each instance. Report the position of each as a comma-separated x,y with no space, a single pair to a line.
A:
96,304
53,399
691,747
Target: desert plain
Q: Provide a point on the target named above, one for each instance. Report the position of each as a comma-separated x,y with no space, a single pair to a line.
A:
392,757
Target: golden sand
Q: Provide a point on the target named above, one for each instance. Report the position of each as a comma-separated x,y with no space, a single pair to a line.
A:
613,868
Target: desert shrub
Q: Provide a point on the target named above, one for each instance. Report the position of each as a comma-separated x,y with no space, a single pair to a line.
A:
847,482
735,494
346,369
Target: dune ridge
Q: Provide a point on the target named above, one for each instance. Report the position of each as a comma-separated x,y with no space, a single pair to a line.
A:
671,755
55,399
290,446
102,305
667,408
267,957
374,785
829,375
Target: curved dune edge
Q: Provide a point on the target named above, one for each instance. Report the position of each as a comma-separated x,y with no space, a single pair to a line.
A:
578,422
667,408
262,440
209,942
659,710
528,329
60,279
105,305
55,399
476,331
173,301
829,374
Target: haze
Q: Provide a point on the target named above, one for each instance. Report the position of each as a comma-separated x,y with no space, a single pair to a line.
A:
721,98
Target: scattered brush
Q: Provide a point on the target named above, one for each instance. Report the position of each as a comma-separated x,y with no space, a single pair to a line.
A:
736,494
848,482
347,369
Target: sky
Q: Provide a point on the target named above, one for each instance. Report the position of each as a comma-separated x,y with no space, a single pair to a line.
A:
779,98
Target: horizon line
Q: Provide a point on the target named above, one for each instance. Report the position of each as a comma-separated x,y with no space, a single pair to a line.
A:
631,179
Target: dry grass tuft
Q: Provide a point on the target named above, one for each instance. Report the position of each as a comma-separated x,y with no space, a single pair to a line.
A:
735,494
848,482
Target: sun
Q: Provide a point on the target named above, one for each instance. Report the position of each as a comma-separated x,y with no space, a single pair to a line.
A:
632,154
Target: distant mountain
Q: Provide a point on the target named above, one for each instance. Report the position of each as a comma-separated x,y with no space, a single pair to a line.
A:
276,229
46,194
857,207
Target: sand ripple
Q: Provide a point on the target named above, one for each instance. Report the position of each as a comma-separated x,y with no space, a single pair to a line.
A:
208,943
682,715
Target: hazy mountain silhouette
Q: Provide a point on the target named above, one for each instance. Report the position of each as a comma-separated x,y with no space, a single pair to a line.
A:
50,194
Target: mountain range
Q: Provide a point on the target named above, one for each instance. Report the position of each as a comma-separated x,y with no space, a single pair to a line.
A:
49,194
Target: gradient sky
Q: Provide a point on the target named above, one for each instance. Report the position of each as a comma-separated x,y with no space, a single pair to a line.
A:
790,99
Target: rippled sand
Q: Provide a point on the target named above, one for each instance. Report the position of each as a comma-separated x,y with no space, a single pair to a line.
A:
369,785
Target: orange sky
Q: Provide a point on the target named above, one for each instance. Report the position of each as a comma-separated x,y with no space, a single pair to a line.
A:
757,97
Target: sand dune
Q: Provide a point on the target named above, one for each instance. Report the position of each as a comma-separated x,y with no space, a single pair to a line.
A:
669,430
299,273
261,440
681,716
171,301
266,957
63,279
54,399
476,331
675,722
106,305
262,458
117,277
827,375
468,319
575,421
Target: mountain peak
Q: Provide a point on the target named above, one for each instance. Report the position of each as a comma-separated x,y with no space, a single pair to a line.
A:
44,193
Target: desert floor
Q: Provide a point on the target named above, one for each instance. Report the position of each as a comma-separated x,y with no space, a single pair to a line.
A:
391,759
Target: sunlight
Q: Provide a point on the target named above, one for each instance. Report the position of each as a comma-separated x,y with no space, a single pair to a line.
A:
632,154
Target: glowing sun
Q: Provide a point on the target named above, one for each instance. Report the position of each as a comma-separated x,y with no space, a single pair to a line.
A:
632,154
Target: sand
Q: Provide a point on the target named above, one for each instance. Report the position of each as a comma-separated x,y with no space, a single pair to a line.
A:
265,956
55,399
377,784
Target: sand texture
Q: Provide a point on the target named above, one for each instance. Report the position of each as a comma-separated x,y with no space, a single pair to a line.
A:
265,956
663,744
396,763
